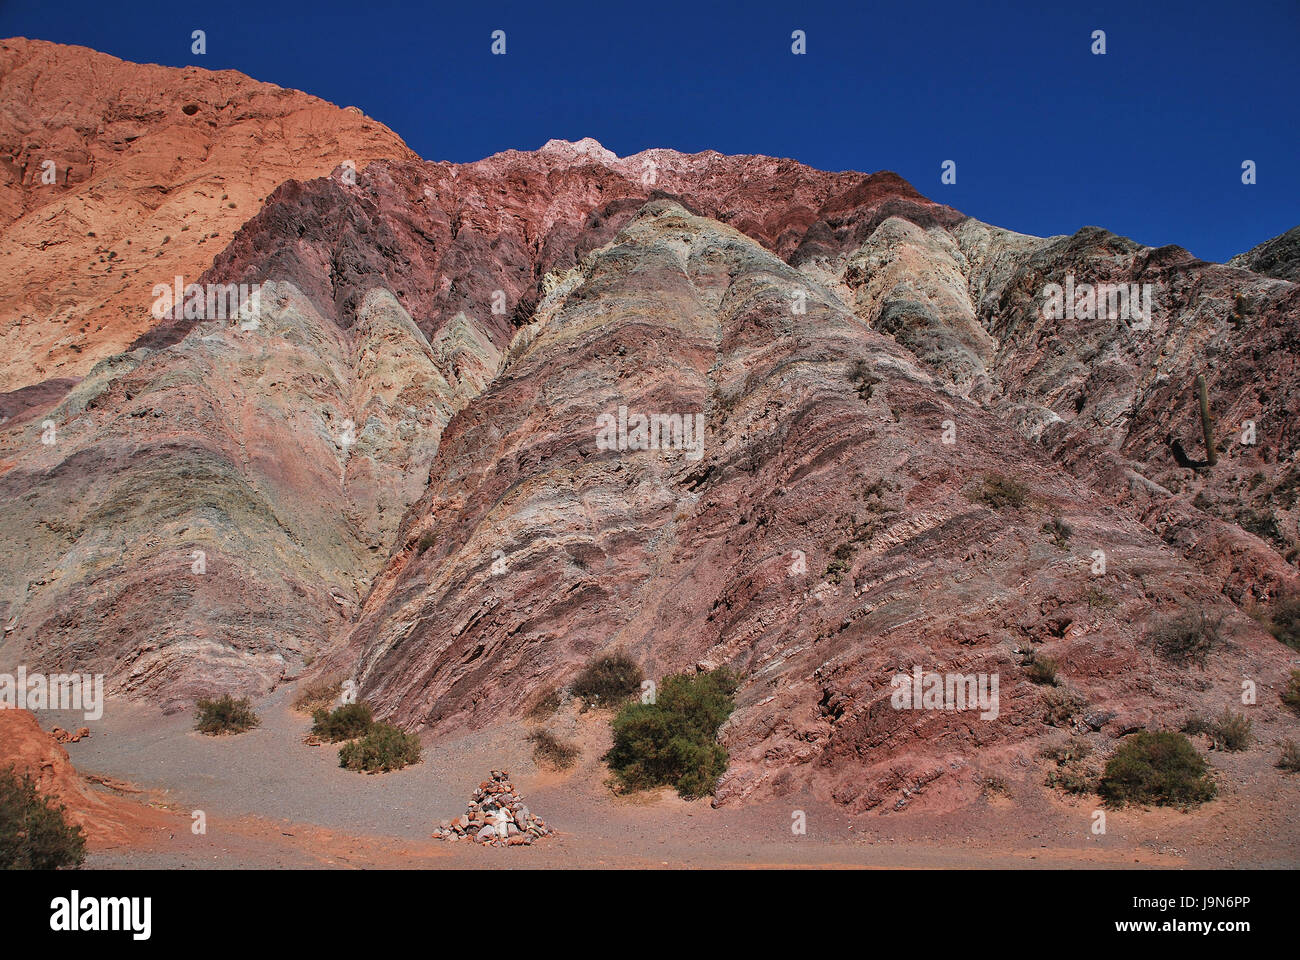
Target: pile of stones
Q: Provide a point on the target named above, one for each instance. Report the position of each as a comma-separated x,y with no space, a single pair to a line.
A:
497,816
63,736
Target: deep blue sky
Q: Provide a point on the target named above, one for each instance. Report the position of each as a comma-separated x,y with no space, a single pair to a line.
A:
1147,140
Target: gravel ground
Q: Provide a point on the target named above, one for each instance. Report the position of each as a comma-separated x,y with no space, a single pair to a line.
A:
273,801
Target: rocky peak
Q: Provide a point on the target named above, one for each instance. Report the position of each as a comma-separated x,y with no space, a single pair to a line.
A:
574,151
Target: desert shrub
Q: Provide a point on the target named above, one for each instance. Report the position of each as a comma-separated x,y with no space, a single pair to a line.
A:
1059,706
224,715
608,679
1073,778
875,490
1099,598
1284,620
1188,636
1261,523
546,706
1059,531
34,831
998,491
549,750
1291,695
840,561
382,749
1290,758
1068,751
347,722
1042,670
1072,774
1229,731
674,741
861,376
1156,768
317,696
1232,732
424,543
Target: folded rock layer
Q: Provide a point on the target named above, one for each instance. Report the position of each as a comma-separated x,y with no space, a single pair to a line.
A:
418,464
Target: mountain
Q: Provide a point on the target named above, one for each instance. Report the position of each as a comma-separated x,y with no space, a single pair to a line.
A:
1279,257
151,170
400,470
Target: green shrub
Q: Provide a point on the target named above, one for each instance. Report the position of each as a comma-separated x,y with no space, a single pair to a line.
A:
224,715
875,490
1290,758
384,748
1073,778
608,680
549,750
1156,768
991,785
998,491
1232,732
840,562
348,722
861,376
1188,636
674,741
34,832
1291,695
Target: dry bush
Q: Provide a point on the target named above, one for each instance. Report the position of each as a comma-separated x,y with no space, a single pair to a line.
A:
1188,637
550,751
317,696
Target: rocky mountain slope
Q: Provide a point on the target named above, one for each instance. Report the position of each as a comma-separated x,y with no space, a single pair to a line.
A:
115,176
396,473
1278,257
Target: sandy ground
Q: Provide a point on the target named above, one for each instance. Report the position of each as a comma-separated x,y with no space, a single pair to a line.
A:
271,800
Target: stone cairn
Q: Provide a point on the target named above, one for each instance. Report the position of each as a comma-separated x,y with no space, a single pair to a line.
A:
496,816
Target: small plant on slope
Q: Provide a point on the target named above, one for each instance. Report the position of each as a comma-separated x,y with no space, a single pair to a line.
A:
347,722
1156,768
383,749
224,715
674,741
608,680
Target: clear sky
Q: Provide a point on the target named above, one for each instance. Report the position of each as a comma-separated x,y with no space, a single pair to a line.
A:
1147,140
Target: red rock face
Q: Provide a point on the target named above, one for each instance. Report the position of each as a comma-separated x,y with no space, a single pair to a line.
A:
151,171
105,819
444,238
400,473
